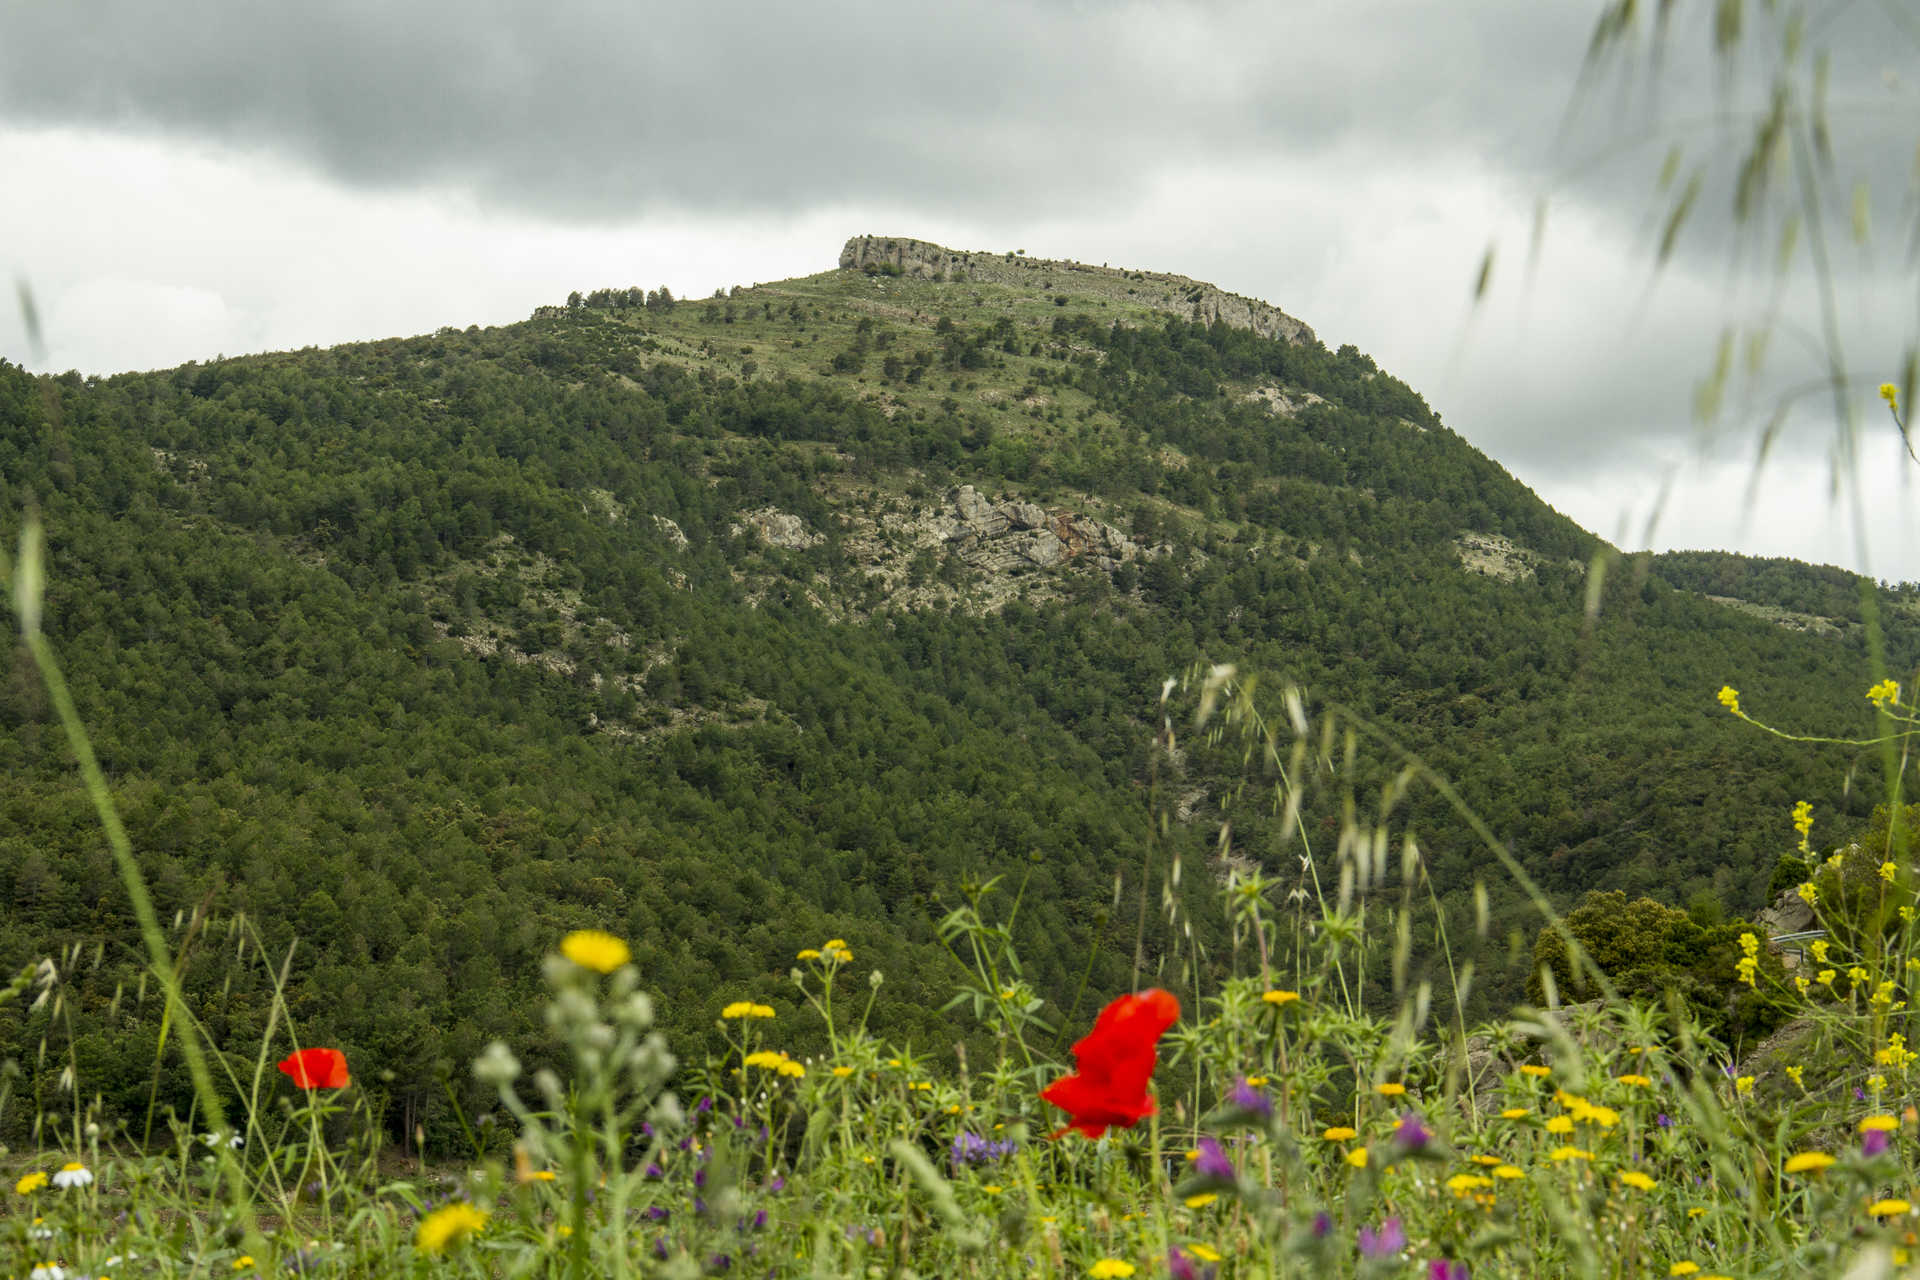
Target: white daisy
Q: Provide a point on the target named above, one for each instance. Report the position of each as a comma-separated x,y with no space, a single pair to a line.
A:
73,1174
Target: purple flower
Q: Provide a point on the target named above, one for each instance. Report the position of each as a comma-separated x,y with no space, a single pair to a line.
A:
1385,1243
653,1170
778,1184
1212,1162
719,1262
1859,1094
1410,1133
703,1106
1664,1120
658,1214
760,1220
1182,1267
1322,1225
1249,1099
1447,1269
1873,1142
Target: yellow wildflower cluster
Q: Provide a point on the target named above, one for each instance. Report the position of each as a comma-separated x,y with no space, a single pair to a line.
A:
1884,694
1730,699
1891,394
1889,870
1280,998
1749,963
1803,823
1896,1054
833,951
772,1060
747,1009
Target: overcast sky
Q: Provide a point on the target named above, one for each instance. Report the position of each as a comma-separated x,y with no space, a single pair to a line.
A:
212,176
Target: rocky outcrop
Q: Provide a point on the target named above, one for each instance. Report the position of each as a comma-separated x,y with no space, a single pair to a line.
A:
777,529
1189,299
1788,914
1002,537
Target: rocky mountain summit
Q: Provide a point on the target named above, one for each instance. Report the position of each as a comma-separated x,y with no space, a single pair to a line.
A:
1178,295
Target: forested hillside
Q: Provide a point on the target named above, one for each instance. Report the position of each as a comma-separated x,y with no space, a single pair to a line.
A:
735,624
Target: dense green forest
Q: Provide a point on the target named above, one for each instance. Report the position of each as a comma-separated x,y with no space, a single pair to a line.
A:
420,652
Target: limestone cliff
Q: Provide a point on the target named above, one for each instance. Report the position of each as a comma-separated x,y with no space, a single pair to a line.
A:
1189,299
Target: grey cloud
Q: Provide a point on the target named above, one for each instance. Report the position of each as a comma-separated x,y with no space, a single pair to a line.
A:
596,110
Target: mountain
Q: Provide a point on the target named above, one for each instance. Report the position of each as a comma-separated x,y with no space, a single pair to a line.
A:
734,624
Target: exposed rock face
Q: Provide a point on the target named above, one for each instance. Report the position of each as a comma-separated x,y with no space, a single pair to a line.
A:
1002,537
778,529
1788,914
673,531
1189,299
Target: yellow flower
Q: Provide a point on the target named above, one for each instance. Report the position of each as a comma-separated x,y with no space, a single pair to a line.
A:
1809,893
1880,1124
1513,1113
1339,1133
1876,1082
1888,870
766,1058
1204,1252
1637,1180
1560,1124
835,944
242,1262
1744,970
1891,394
1110,1269
1535,1069
747,1009
1357,1157
1824,977
31,1183
1683,1269
1794,1073
1802,985
1749,944
1258,1082
1819,949
807,953
542,1175
1389,1089
842,955
1888,1208
788,1067
1744,1085
1462,1183
1808,1162
1883,693
1202,1200
592,949
1856,975
444,1226
1509,1171
1696,1212
1280,997
1487,1161
1569,1153
1730,698
992,1188
1638,1082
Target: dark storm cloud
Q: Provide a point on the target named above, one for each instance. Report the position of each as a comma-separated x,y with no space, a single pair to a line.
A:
600,110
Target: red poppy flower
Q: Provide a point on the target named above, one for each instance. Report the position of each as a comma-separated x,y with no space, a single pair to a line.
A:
317,1068
1115,1061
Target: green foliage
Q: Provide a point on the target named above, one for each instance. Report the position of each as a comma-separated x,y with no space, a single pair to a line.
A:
1655,953
385,649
